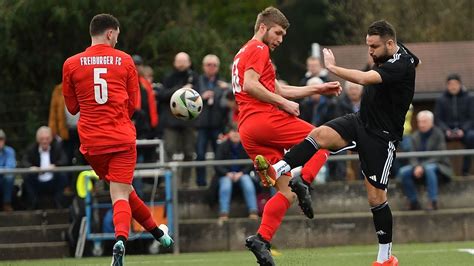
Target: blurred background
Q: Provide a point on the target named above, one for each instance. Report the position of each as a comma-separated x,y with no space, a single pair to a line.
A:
37,36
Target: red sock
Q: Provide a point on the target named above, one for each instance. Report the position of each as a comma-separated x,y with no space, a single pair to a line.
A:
273,214
312,167
122,217
140,212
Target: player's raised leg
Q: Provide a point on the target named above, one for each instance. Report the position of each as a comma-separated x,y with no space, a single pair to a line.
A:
142,215
310,148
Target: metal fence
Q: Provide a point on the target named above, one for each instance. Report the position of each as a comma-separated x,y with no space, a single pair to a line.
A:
174,166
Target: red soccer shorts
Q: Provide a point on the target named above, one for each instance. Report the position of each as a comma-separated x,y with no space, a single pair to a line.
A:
270,134
115,166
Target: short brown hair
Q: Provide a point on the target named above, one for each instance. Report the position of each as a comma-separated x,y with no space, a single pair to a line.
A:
271,16
102,22
383,29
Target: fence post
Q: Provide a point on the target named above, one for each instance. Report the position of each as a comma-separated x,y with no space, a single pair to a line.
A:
174,180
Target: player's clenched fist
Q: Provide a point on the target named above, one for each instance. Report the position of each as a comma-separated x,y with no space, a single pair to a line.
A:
331,88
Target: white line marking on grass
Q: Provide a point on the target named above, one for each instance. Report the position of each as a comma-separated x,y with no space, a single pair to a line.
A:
468,250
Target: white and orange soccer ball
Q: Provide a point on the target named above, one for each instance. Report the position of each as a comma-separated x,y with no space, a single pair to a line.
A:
186,104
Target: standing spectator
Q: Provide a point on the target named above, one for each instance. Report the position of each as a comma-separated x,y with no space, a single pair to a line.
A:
232,149
315,74
212,120
7,161
454,114
45,154
427,169
179,136
314,69
64,126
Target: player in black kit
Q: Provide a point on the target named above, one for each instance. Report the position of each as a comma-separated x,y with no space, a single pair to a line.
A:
374,131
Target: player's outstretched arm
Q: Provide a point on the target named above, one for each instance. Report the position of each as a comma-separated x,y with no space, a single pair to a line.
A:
353,75
253,87
298,92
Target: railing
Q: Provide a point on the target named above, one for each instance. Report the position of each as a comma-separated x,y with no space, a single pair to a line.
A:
174,166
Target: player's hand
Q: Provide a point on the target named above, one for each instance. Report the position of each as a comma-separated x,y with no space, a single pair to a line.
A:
330,88
290,107
329,59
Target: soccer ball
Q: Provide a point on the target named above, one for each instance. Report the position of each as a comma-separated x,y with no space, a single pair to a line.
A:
186,104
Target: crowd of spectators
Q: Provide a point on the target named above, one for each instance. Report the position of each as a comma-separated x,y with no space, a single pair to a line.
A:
214,132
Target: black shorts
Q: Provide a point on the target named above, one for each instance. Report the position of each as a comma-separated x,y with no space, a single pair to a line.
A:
376,154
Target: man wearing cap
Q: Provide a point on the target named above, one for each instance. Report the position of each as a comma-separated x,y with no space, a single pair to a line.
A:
454,114
7,161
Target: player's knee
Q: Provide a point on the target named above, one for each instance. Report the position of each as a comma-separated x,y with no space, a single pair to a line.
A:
375,199
320,134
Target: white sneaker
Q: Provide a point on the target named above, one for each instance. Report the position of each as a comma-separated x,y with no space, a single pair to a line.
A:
166,241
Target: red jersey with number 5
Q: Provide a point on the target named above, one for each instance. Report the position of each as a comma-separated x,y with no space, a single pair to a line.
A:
102,84
253,55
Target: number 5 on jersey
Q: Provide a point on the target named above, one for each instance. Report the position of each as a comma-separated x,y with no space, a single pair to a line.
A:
100,86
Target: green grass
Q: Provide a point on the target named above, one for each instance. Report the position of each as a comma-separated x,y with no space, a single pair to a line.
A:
439,254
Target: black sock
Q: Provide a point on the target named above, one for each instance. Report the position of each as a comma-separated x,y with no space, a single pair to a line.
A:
157,233
383,222
301,153
124,239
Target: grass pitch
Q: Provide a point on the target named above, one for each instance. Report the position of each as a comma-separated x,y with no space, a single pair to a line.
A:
427,254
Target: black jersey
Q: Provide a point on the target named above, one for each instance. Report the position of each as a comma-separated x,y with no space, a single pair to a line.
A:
384,105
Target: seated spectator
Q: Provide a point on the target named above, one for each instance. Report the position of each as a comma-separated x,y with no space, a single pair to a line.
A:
425,169
45,154
229,174
7,161
454,114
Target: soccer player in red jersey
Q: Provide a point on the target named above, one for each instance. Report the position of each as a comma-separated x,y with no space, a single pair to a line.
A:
268,123
102,84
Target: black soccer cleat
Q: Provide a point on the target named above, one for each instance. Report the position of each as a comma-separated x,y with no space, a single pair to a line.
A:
302,191
261,249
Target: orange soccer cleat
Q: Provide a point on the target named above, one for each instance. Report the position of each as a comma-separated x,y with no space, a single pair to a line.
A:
265,171
392,261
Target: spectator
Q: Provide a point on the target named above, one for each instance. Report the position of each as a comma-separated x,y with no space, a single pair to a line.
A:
314,69
308,105
315,74
430,170
7,161
350,101
45,154
179,136
454,114
64,126
232,149
212,120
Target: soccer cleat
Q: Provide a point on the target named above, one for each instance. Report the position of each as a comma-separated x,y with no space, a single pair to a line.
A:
118,254
261,249
265,171
392,261
301,189
166,241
